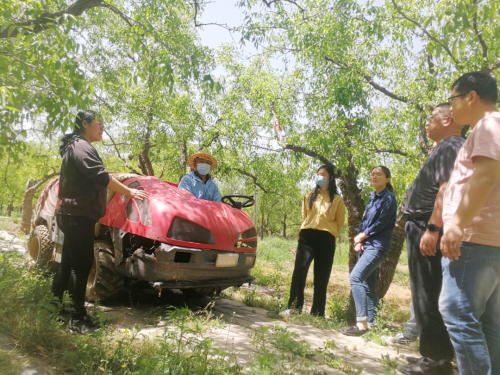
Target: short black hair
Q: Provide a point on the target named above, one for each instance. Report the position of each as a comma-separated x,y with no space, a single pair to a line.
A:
446,106
482,83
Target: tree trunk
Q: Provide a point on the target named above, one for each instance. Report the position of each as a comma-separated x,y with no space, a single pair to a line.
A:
184,158
284,226
388,268
262,226
10,208
355,208
27,206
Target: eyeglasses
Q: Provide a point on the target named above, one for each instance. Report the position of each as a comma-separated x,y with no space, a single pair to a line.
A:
456,96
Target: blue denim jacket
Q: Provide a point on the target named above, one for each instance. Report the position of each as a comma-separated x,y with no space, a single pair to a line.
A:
209,190
379,220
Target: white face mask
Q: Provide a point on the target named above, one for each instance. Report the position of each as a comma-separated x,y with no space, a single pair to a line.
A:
203,168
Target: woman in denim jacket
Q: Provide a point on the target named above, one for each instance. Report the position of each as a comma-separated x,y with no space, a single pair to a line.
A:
372,242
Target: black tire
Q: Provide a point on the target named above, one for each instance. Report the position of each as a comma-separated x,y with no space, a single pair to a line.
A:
103,282
39,251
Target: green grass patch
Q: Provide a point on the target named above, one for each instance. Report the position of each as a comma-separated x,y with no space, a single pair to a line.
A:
28,315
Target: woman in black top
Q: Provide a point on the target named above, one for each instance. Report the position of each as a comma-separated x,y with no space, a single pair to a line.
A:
82,190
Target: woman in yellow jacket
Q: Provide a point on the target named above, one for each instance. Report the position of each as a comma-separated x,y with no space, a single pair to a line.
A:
323,211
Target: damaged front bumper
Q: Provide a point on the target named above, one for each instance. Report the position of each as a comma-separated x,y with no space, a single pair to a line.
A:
176,267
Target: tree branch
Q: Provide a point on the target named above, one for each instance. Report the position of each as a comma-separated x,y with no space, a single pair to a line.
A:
370,81
493,67
386,151
478,34
311,153
429,35
119,155
270,2
254,178
48,20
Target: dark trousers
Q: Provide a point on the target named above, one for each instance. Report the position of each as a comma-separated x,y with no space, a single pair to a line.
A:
319,246
426,278
76,261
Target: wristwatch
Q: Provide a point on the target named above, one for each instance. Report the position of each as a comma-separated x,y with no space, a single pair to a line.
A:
433,228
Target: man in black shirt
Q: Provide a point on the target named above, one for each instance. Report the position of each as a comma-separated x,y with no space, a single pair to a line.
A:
423,211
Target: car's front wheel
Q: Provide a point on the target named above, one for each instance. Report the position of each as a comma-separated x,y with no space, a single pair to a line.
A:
103,282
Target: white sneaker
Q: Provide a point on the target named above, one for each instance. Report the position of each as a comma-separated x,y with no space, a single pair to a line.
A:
400,341
287,312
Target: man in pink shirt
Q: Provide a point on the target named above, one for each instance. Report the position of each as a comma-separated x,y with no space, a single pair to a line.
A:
470,296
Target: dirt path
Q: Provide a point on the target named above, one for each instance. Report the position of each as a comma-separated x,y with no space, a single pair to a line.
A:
351,353
241,321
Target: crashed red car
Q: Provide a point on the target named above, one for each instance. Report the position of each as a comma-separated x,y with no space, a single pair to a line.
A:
171,240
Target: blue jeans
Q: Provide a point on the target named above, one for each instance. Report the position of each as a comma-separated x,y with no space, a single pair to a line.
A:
363,280
470,306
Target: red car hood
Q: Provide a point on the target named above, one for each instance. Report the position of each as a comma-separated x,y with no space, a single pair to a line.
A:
166,202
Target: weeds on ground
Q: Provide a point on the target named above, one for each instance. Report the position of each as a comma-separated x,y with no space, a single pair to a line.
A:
276,250
279,353
386,312
338,362
28,314
253,298
389,364
11,362
180,349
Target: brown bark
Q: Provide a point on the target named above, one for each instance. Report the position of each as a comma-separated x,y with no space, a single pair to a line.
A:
351,193
388,268
10,208
49,20
284,225
184,157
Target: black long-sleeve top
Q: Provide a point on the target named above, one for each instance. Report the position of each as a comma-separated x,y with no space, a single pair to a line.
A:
83,181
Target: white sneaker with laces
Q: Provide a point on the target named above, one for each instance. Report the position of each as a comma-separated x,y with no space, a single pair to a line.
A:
286,312
400,341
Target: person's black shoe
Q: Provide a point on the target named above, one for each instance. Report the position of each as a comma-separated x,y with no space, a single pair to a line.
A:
82,326
354,331
63,316
412,360
416,369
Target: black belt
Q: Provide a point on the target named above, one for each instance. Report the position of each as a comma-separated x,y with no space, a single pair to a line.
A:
417,216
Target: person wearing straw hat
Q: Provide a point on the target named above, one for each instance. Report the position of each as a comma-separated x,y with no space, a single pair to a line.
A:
198,181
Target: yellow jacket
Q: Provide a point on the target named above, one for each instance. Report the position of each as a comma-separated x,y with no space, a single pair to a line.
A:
319,217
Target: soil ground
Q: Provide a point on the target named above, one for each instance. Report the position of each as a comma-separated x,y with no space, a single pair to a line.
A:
134,310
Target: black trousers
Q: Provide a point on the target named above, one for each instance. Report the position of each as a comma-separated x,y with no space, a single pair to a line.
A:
426,278
76,261
319,246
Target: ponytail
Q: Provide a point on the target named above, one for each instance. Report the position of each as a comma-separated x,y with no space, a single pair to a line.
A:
87,115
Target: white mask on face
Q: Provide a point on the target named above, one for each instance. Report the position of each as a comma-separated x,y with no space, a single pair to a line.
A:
203,168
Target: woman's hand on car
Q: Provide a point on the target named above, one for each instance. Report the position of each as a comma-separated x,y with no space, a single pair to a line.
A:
137,194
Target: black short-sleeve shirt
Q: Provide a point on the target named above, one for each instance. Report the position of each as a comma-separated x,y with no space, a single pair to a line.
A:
436,170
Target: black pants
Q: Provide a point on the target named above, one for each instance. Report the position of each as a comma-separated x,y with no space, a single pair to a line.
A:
319,246
76,261
426,278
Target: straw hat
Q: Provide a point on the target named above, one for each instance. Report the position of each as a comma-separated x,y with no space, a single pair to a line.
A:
202,155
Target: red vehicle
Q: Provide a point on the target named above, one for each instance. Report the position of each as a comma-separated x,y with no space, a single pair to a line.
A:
171,239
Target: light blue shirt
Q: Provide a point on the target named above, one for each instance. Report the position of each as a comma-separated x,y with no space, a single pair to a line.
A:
192,183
